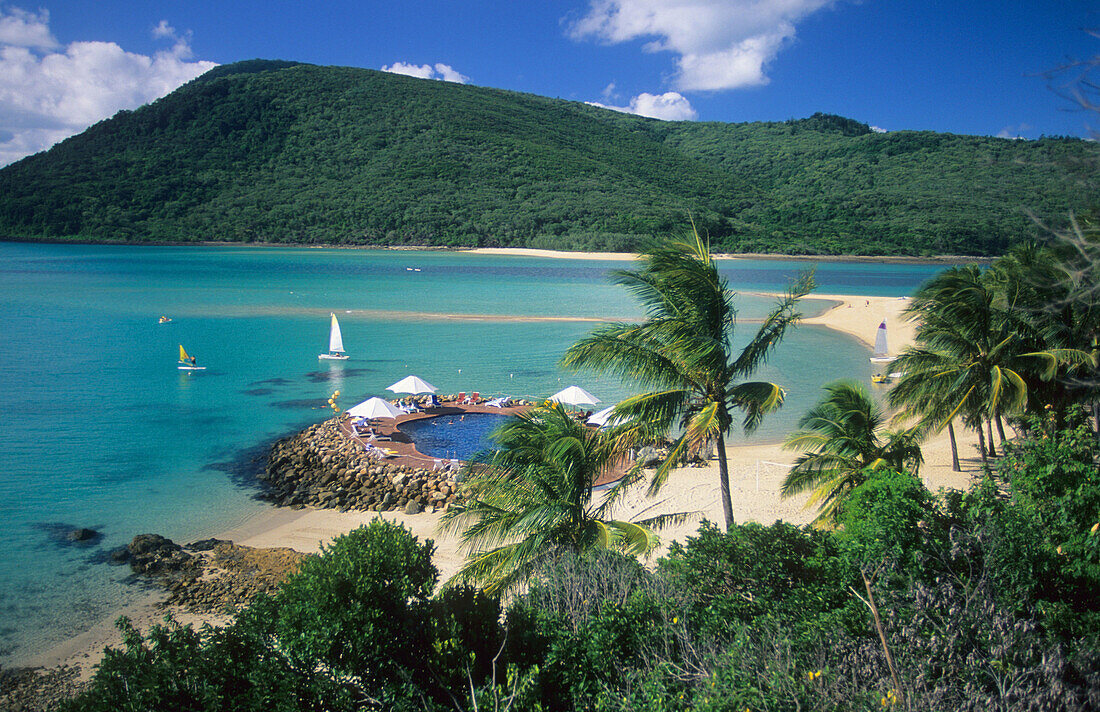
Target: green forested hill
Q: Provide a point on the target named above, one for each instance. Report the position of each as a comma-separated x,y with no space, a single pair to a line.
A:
284,152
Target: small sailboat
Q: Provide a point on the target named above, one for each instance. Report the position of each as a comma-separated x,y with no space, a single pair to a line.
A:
880,356
188,363
881,353
335,343
165,320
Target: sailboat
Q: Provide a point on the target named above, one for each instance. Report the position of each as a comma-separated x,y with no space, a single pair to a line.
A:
187,363
335,343
880,355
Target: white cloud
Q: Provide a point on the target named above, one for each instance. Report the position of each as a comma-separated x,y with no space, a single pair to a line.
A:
720,44
449,74
47,96
441,71
670,106
878,129
163,29
20,28
1014,131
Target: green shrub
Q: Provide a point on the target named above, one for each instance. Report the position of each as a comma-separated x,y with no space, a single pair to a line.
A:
1055,478
886,519
753,570
360,609
176,668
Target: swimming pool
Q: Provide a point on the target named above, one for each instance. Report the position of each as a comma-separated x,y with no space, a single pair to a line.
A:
453,436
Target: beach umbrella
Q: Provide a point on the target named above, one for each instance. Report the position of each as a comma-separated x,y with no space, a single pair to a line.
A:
412,384
602,418
374,408
574,395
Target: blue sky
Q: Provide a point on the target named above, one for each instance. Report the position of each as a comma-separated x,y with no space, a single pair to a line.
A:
962,67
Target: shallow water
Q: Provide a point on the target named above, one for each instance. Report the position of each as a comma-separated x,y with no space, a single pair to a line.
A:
100,430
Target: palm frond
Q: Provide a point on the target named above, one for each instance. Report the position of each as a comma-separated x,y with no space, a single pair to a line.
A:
756,399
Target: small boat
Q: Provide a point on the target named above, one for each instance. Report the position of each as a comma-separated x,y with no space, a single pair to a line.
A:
335,343
187,363
880,378
880,354
164,320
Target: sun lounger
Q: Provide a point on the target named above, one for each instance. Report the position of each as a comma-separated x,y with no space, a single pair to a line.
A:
461,398
379,436
502,402
472,399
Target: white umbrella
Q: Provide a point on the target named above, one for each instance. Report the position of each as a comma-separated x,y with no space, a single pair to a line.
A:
374,408
574,395
602,418
412,384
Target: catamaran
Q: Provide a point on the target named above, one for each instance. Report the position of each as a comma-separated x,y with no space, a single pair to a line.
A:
335,343
187,363
880,354
881,357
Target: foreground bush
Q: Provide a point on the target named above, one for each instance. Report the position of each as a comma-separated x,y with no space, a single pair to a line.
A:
979,610
355,628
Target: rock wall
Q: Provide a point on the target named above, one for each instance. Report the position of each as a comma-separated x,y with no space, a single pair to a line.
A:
322,467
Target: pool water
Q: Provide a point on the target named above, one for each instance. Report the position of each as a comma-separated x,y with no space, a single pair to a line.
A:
454,436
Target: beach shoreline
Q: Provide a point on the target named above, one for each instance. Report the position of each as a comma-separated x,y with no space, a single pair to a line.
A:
524,251
756,469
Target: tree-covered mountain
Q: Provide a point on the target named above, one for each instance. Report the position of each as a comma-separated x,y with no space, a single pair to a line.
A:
287,152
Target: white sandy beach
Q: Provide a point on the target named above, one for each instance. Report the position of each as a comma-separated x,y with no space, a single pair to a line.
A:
629,256
755,472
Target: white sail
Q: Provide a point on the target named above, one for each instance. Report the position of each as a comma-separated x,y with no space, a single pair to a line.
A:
881,351
880,340
335,340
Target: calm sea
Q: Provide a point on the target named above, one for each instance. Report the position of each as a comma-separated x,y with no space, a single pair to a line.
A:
99,429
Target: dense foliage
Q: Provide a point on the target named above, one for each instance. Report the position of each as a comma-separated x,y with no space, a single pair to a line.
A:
986,601
286,152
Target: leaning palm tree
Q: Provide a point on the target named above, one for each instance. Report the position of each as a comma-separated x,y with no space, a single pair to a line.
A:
843,440
683,350
533,494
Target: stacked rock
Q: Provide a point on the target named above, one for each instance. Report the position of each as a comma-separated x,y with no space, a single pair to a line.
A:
321,467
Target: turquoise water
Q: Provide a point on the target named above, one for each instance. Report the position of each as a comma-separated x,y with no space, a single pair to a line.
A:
100,430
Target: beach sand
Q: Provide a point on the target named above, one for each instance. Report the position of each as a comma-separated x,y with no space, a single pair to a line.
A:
756,472
630,256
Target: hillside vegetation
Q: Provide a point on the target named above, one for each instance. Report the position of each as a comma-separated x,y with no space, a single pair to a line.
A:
286,152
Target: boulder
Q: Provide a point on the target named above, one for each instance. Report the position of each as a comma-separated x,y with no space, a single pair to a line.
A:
154,554
206,544
413,507
81,534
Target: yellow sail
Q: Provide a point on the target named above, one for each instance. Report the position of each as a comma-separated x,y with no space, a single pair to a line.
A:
183,355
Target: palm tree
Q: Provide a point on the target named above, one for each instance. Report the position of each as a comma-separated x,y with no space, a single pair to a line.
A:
979,347
843,441
1053,290
534,494
924,393
683,350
